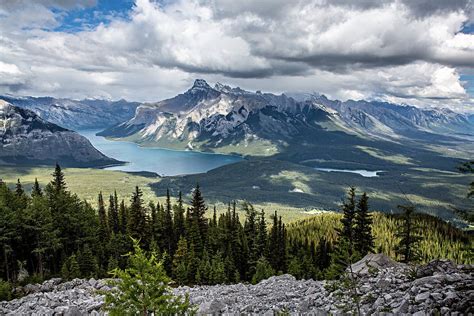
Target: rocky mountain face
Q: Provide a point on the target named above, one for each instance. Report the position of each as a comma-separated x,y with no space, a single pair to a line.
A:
211,118
437,288
74,114
25,138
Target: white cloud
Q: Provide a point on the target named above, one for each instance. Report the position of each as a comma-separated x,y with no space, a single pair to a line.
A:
394,50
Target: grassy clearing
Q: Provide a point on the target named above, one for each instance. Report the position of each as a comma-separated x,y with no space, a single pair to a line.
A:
85,182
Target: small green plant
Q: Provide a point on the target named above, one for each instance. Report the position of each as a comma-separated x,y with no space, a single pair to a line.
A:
5,291
142,288
263,270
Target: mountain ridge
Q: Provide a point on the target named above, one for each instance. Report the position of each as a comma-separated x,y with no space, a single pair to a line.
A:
26,138
207,118
76,114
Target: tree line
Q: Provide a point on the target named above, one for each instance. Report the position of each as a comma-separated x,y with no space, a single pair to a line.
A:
51,232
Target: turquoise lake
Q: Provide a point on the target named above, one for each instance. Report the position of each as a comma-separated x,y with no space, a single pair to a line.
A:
161,161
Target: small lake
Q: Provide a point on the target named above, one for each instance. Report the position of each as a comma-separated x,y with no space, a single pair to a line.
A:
364,173
161,161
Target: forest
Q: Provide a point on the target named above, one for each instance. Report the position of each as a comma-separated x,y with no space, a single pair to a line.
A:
50,232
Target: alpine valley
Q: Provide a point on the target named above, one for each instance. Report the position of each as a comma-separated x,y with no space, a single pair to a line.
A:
289,142
286,137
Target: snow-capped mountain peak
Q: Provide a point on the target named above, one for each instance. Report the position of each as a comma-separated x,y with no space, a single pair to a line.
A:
206,117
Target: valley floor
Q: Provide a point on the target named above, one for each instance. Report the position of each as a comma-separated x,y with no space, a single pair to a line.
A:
294,190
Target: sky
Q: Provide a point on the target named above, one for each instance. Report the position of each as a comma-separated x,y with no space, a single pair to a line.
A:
417,52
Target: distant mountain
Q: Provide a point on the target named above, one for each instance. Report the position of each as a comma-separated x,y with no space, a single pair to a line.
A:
25,138
222,118
73,114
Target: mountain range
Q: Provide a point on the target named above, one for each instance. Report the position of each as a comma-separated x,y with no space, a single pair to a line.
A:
76,114
226,119
288,140
25,138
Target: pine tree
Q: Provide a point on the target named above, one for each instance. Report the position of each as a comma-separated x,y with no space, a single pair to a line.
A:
87,262
203,275
179,220
36,191
113,216
180,262
251,232
197,222
42,231
277,245
261,241
168,230
154,224
218,275
74,270
264,271
123,218
19,191
348,220
58,183
363,238
323,255
103,223
65,274
143,289
409,236
137,226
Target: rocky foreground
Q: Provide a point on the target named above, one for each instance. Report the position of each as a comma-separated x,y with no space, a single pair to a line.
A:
382,286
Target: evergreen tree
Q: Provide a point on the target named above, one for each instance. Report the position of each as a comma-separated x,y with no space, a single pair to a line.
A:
36,191
363,238
143,289
154,223
179,220
113,216
123,218
168,230
203,274
323,254
348,219
137,225
197,222
407,248
44,235
261,240
180,262
264,271
65,274
58,183
74,270
19,191
103,223
87,262
251,234
277,245
340,259
218,275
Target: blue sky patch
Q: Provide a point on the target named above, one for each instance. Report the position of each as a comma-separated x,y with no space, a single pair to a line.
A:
88,18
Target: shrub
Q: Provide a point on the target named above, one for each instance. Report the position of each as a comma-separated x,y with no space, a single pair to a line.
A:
5,291
143,288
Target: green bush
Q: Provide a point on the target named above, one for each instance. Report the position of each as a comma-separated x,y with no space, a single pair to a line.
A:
142,289
5,291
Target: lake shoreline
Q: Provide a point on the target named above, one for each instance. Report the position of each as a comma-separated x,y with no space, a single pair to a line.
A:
161,161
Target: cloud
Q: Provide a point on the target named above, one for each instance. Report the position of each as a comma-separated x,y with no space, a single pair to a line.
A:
405,51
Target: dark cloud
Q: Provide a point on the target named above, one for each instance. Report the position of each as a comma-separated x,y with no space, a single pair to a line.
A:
424,8
347,49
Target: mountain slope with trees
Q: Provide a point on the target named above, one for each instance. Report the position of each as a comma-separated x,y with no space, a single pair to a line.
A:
51,232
